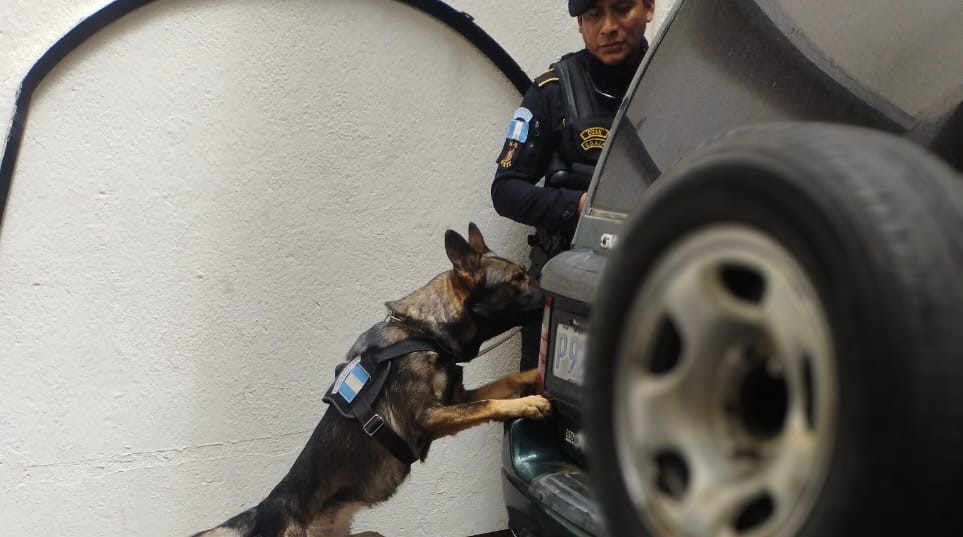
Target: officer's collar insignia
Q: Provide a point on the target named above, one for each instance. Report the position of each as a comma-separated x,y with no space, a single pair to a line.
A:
593,137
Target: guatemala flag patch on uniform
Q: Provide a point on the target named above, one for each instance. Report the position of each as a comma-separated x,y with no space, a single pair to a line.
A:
518,129
351,380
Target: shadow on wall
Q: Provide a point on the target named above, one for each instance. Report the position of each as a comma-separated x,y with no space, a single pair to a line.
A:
460,22
213,199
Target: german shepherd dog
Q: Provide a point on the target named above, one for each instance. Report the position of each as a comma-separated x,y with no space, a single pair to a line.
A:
342,469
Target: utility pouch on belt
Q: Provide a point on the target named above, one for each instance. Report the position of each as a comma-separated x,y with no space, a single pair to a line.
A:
576,178
551,244
359,382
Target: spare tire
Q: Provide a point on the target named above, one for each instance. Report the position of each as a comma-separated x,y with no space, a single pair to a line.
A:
777,343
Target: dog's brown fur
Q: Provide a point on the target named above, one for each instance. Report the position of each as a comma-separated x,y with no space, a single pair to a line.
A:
341,469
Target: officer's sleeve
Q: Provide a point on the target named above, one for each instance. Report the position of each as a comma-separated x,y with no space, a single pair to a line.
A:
529,145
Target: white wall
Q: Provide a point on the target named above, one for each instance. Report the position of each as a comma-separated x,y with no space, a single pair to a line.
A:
213,198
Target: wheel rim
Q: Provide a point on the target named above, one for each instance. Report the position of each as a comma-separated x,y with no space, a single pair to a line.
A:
724,389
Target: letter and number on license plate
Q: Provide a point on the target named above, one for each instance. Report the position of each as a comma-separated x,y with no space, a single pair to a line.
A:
569,358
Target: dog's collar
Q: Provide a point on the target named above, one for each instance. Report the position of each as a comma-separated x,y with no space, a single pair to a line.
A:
443,348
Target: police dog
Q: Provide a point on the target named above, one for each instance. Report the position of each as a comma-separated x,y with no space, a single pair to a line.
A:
342,469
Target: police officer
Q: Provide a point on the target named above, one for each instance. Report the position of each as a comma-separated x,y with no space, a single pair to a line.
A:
560,128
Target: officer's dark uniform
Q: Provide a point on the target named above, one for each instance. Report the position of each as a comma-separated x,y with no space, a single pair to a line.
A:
557,133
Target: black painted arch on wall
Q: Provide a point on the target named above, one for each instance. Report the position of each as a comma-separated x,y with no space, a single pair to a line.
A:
461,22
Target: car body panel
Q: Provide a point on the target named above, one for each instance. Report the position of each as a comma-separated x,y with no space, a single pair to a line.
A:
731,63
530,454
718,65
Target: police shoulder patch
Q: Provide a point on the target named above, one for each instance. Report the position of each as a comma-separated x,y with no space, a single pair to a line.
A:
507,156
518,128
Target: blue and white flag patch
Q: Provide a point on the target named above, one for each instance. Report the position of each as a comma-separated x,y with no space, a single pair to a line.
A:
351,380
518,128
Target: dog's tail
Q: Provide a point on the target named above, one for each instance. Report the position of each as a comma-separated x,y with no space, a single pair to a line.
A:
236,526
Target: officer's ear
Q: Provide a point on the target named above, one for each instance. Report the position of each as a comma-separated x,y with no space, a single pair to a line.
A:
579,19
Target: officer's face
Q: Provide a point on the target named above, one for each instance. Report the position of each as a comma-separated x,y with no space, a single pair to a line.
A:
613,29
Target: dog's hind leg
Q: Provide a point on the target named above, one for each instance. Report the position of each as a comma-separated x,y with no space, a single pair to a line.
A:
503,388
335,522
441,420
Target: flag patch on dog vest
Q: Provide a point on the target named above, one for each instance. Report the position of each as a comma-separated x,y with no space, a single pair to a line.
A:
351,380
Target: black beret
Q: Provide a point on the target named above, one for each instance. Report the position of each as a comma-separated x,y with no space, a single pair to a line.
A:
577,7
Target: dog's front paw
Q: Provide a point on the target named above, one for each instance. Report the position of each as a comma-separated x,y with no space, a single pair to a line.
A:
527,378
533,407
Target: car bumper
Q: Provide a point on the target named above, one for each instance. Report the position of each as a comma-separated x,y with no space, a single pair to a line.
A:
545,493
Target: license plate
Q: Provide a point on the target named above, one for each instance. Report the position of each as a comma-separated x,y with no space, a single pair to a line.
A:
569,358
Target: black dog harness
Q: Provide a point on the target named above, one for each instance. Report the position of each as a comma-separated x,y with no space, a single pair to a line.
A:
358,384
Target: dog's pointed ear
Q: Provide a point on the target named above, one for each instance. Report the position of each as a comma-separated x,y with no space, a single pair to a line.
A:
476,240
462,255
